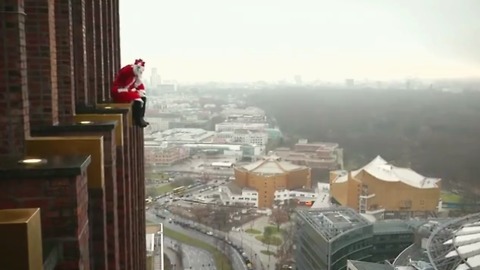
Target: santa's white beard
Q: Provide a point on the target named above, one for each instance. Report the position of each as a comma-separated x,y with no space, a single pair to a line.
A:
138,70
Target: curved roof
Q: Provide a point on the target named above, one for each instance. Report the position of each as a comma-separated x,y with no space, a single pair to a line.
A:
271,165
382,170
456,245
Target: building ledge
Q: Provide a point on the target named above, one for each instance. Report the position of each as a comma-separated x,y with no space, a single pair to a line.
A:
53,166
73,127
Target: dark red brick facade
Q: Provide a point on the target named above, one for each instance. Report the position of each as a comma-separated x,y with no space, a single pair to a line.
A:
58,56
14,113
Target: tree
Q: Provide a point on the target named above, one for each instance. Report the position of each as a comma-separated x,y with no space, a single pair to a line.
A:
285,251
200,213
268,233
279,216
390,123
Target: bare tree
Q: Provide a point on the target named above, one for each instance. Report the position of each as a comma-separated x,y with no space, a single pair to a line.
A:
200,213
279,216
285,251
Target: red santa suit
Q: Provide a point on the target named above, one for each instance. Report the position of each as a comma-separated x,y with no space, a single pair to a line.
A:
128,86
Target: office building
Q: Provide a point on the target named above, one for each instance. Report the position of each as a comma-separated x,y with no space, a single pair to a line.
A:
327,237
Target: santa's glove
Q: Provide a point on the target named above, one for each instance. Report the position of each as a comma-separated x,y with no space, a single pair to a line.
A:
142,93
121,90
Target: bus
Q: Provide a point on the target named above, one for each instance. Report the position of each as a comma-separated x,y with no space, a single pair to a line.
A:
179,190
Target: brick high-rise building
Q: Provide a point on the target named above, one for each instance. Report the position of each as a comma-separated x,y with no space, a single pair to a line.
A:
71,163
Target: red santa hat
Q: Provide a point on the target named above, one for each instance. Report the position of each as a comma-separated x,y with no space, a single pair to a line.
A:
139,62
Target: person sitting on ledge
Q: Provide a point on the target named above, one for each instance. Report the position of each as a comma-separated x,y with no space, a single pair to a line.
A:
128,87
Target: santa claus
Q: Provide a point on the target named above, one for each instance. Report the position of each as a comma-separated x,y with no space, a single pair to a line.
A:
128,87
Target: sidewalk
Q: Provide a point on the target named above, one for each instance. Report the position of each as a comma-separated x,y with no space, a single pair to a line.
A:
173,257
254,246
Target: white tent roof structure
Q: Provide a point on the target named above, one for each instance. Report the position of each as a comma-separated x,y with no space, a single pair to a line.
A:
382,170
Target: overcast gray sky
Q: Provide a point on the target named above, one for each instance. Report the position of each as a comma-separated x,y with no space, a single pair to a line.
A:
226,40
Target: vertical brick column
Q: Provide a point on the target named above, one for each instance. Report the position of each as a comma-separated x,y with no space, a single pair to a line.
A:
106,255
102,92
112,32
124,185
141,192
41,61
107,45
135,198
91,50
59,189
13,78
79,51
65,63
116,24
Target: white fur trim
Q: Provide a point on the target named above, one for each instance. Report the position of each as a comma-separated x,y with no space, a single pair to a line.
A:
121,90
139,99
142,93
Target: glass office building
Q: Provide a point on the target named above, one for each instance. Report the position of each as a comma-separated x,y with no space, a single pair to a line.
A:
328,237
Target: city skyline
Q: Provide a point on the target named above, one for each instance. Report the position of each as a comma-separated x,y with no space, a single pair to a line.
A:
320,40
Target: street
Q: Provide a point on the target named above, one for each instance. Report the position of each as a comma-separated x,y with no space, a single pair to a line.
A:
236,259
192,257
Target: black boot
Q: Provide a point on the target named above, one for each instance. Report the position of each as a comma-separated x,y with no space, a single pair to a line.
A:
144,108
137,114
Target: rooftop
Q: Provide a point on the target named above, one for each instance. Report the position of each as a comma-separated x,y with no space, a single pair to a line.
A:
234,188
456,244
184,135
396,226
334,221
359,265
272,165
382,170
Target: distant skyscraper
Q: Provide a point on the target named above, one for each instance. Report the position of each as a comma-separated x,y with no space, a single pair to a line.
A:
298,79
350,82
155,79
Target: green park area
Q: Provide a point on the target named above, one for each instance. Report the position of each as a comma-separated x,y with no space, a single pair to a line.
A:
271,236
449,197
253,231
221,261
159,190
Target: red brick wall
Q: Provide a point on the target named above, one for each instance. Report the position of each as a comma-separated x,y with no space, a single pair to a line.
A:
79,51
63,203
103,202
41,61
65,68
13,78
106,37
99,51
91,50
116,24
141,193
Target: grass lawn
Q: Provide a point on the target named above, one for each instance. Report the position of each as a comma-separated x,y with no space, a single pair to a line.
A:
159,190
221,261
150,261
275,230
450,197
267,252
253,231
274,240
